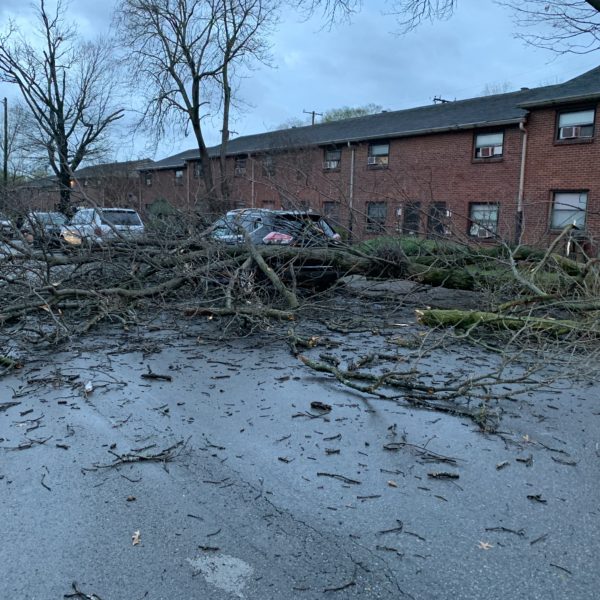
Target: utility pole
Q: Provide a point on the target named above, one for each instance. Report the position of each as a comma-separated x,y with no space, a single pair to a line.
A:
313,113
5,146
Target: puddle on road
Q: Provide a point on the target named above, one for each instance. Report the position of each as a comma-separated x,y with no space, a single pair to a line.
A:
225,572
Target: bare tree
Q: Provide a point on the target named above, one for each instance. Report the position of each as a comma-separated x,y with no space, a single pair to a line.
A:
15,151
559,25
184,54
241,27
491,89
348,112
332,10
66,85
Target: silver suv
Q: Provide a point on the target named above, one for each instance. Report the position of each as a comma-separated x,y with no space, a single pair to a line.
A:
94,226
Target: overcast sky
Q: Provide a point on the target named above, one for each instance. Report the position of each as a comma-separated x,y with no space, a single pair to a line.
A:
360,63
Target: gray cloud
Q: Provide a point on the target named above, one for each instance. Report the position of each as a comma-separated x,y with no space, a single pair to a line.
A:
363,62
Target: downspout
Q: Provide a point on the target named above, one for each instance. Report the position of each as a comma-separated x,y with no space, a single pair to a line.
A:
351,193
187,169
519,224
251,181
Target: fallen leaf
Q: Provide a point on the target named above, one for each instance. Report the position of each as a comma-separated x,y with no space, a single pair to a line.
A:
485,545
392,483
89,387
136,538
131,498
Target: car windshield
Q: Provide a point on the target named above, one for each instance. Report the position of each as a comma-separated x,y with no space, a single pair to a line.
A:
53,218
128,218
302,225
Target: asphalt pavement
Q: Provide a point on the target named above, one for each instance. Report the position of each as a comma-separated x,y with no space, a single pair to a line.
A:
224,482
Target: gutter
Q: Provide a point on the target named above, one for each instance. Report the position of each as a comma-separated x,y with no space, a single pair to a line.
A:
562,100
346,140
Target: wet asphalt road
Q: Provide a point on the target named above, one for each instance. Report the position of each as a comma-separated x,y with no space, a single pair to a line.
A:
263,500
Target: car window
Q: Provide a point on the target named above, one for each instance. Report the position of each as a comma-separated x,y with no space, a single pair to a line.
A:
120,217
49,218
326,228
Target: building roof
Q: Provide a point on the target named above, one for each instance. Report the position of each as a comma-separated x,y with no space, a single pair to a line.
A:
485,111
113,169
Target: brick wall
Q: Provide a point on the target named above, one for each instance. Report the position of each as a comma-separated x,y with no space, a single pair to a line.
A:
427,169
553,166
422,172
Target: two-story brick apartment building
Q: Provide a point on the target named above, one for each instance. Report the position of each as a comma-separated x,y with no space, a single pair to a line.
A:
107,184
523,162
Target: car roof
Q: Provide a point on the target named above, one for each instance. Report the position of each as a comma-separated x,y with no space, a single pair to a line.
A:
270,211
132,210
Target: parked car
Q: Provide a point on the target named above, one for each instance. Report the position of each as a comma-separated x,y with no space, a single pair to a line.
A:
6,226
43,228
93,226
282,228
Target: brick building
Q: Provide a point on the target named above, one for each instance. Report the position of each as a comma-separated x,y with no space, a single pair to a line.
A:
108,184
522,163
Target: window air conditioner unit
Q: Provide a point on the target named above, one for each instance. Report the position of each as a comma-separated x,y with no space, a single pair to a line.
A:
331,164
372,160
484,233
570,132
240,170
486,151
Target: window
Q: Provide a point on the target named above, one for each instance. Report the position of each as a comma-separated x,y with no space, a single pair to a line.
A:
270,204
436,219
331,210
240,166
568,208
489,145
411,221
268,166
332,159
378,155
198,170
148,179
576,125
376,216
483,220
179,177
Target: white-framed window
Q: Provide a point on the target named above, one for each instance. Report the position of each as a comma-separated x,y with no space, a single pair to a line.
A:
179,177
568,208
376,215
483,219
489,145
332,159
268,165
198,170
148,179
240,165
576,125
411,218
379,155
331,210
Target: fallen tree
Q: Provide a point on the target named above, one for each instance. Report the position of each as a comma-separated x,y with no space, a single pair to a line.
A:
463,319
